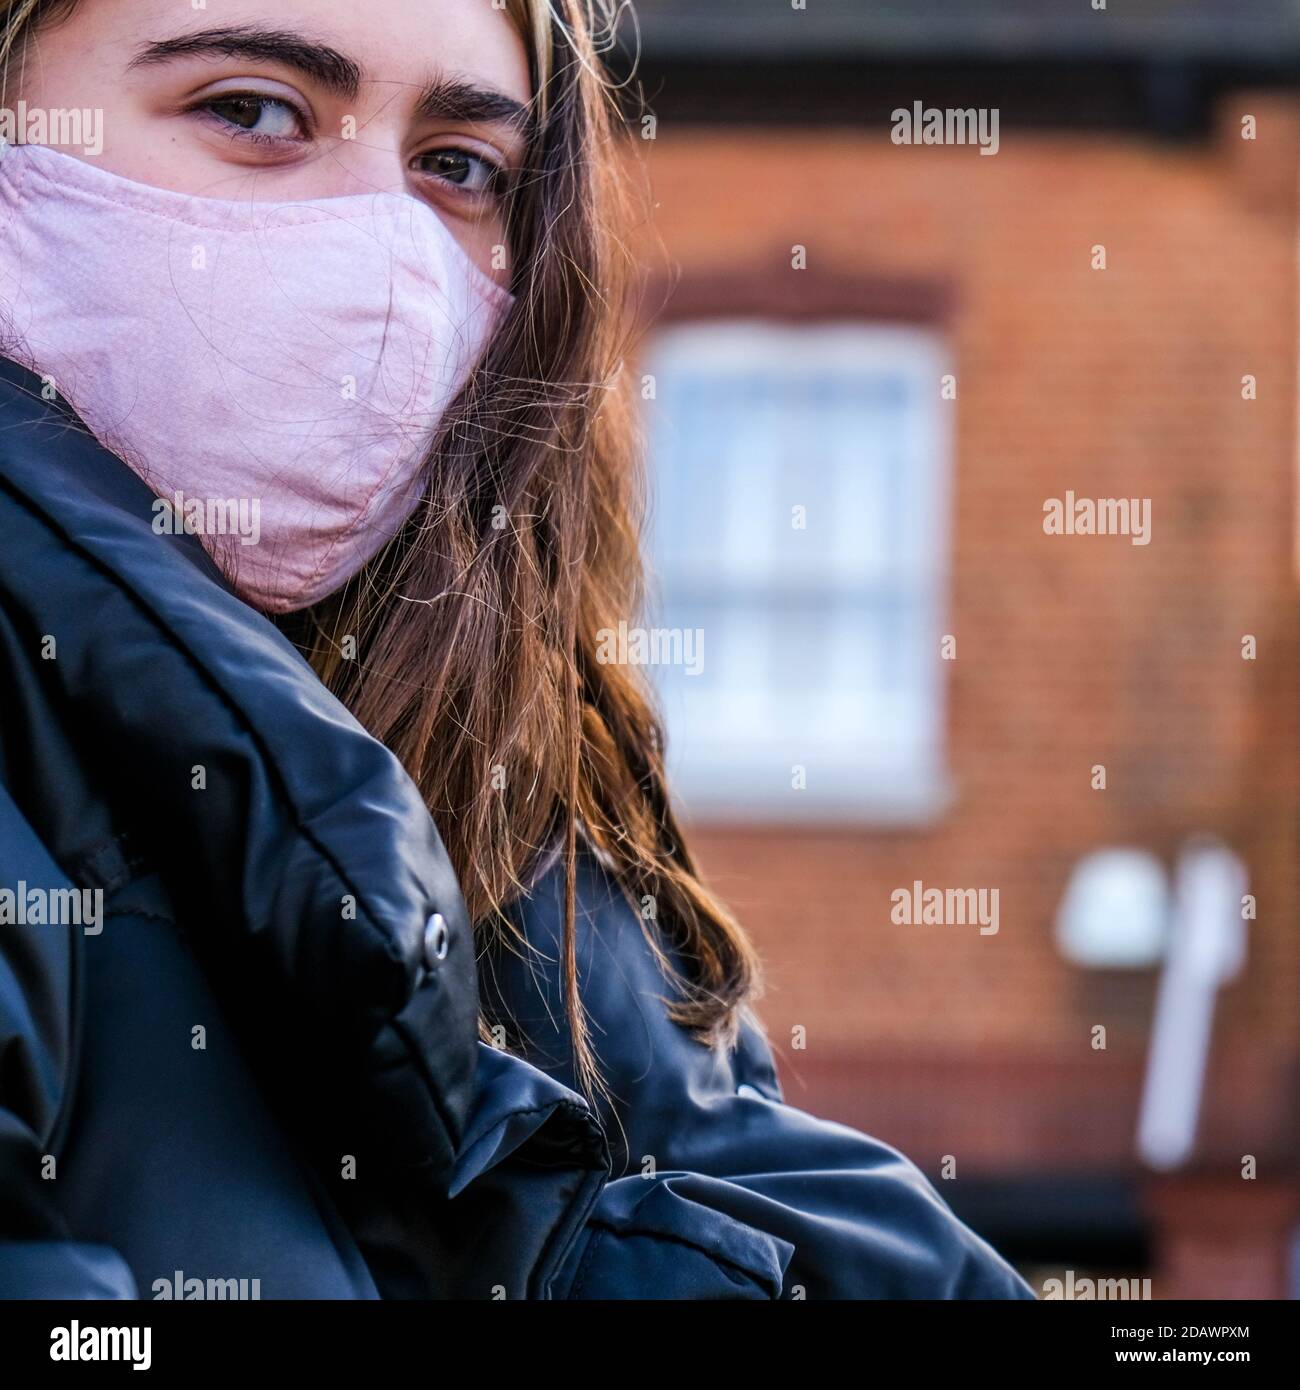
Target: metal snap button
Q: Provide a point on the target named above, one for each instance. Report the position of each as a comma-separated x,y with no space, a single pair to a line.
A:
437,940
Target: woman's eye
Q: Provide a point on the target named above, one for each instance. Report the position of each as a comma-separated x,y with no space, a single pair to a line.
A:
469,173
250,114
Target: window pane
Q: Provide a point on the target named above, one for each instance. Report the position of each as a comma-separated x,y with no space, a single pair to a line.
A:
799,526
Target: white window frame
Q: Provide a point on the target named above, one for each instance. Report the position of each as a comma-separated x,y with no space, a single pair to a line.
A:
746,775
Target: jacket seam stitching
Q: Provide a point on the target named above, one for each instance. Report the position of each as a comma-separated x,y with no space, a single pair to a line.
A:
599,1232
142,913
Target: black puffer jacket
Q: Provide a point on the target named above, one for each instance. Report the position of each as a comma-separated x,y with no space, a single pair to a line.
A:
261,1062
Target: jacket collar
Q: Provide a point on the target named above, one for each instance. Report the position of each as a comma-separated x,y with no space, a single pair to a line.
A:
309,852
295,840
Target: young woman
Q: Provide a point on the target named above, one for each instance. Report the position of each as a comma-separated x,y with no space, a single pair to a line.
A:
317,483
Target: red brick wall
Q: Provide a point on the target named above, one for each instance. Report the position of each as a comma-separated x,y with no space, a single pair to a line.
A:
1071,651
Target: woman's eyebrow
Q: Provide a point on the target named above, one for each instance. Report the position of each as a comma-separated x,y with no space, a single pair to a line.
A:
325,65
443,98
455,99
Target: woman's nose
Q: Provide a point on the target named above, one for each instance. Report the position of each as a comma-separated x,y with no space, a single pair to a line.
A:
367,159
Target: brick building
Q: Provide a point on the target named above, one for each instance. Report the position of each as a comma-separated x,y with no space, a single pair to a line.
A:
998,366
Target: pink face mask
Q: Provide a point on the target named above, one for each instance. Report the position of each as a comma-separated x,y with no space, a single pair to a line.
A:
273,371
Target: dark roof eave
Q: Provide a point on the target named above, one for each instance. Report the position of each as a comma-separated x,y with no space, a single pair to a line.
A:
931,29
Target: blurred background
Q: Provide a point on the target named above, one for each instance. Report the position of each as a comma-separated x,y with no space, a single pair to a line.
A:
867,368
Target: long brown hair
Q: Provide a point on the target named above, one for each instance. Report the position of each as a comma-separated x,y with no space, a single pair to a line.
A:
469,645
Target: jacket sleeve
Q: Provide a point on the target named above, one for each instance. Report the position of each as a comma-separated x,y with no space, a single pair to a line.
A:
38,1258
719,1188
